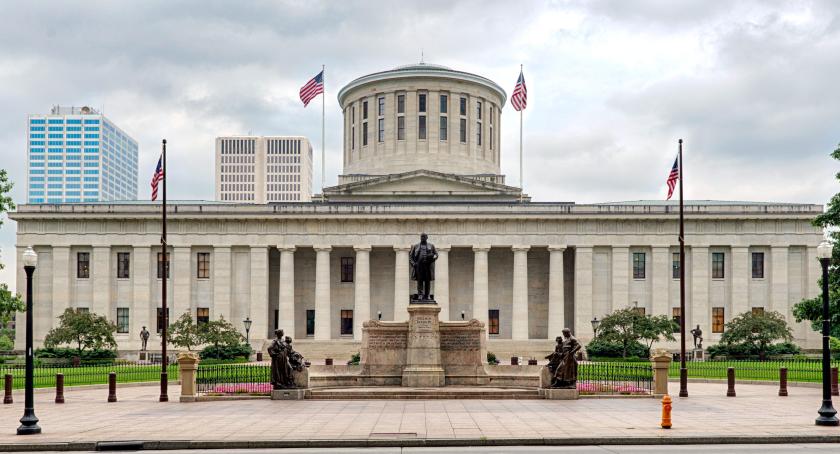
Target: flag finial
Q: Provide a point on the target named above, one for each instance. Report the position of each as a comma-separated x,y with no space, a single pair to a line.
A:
421,56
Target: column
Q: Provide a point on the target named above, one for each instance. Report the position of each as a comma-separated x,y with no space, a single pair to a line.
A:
181,281
660,276
222,283
142,307
258,307
556,292
620,277
401,283
699,314
583,292
519,326
441,285
740,281
779,279
480,285
361,287
101,274
61,281
322,293
286,290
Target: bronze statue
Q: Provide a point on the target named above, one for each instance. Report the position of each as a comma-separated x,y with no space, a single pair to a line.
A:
144,338
295,358
563,363
281,368
698,337
422,258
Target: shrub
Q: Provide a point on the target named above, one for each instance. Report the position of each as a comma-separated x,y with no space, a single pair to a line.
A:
355,359
605,349
6,344
96,354
746,350
226,352
491,359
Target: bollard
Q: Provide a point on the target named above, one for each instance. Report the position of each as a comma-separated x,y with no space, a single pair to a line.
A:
328,362
532,362
59,388
730,382
7,398
514,360
112,387
783,382
666,412
834,390
259,356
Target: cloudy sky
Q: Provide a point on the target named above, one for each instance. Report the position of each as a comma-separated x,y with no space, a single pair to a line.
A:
752,87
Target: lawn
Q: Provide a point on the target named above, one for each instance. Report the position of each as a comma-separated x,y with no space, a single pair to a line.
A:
89,375
798,370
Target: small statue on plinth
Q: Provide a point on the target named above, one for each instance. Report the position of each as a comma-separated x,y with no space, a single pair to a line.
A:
144,338
698,337
421,259
284,361
563,363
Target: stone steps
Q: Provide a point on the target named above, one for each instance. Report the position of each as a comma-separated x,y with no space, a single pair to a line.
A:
390,393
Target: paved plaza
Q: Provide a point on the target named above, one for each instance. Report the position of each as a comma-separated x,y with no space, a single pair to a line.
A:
756,415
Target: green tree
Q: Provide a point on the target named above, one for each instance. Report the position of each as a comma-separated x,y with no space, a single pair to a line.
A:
628,326
82,329
757,331
184,333
6,202
655,328
811,309
219,332
10,304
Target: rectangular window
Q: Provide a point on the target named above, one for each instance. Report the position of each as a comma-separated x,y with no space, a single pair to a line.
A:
444,104
161,265
638,265
203,265
364,110
202,315
675,316
640,310
310,322
717,319
443,124
83,310
478,109
347,269
675,265
421,127
346,322
717,265
493,321
400,104
421,102
758,311
161,320
122,319
381,134
123,265
400,128
463,109
478,133
381,110
83,265
276,319
364,134
463,130
758,265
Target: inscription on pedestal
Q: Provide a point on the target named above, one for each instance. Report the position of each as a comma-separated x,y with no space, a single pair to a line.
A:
460,340
423,323
387,340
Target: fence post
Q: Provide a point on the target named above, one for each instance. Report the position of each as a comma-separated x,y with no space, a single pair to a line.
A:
59,388
112,387
7,398
187,367
783,382
834,390
660,360
730,382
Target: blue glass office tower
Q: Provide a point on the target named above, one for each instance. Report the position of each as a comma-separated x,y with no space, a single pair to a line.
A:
75,154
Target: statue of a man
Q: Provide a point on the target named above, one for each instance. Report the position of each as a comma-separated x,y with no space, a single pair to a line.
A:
698,337
281,369
422,258
144,338
566,371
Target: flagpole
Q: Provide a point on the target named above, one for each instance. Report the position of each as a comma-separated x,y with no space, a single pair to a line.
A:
323,114
521,182
683,370
164,380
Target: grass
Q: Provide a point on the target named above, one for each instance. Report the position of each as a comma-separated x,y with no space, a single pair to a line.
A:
45,376
798,370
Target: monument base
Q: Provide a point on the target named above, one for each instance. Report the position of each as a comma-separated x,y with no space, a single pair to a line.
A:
560,393
698,354
423,377
288,394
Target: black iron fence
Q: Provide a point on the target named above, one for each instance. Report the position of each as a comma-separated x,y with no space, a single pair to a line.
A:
799,370
615,378
87,374
222,379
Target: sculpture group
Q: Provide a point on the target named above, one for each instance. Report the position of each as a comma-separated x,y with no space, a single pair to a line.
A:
284,361
563,363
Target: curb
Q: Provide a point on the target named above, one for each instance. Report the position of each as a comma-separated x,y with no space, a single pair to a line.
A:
411,443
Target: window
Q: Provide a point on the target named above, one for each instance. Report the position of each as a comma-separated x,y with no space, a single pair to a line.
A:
83,265
381,106
122,319
675,265
346,322
161,320
401,127
493,321
478,133
276,319
202,315
491,128
717,265
203,265
400,104
638,265
717,319
758,311
347,269
364,134
463,130
123,265
364,110
639,310
83,310
161,266
443,104
443,125
421,127
353,128
381,134
758,265
421,102
676,317
463,109
310,322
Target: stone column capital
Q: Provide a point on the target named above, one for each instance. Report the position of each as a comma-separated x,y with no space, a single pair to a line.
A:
660,246
443,247
556,247
621,247
286,248
520,248
402,248
481,248
322,248
362,248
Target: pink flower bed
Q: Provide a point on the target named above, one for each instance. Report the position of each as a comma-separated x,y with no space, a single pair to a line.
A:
603,388
243,388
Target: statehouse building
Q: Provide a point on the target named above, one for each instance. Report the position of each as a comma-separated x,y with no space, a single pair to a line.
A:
421,153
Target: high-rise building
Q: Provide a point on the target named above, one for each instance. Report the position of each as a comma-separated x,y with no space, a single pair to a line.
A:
263,169
76,154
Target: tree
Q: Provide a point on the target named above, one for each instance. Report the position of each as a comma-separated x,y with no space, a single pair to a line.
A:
219,332
184,333
628,326
10,304
655,328
83,329
6,202
811,309
757,331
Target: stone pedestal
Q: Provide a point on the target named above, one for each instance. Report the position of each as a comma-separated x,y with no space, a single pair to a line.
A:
422,364
560,394
187,367
697,354
660,361
288,394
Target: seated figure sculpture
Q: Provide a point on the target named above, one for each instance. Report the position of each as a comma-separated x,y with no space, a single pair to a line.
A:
563,363
284,361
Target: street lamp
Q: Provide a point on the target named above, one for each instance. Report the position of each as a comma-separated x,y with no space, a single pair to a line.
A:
595,324
247,323
828,415
29,422
379,315
462,315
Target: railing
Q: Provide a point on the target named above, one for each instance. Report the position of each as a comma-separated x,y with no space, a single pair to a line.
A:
799,370
221,379
615,378
87,374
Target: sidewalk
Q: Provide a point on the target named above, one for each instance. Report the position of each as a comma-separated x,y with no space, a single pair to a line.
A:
756,415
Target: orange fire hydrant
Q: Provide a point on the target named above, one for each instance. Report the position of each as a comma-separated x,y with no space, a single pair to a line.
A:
666,412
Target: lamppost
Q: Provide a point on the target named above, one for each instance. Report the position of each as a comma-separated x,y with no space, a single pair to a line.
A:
828,415
462,315
247,323
29,422
379,315
595,324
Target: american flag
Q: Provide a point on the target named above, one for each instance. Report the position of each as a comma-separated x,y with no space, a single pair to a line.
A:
519,98
672,177
156,178
312,88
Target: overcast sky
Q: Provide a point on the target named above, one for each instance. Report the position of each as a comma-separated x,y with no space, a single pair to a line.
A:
752,87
